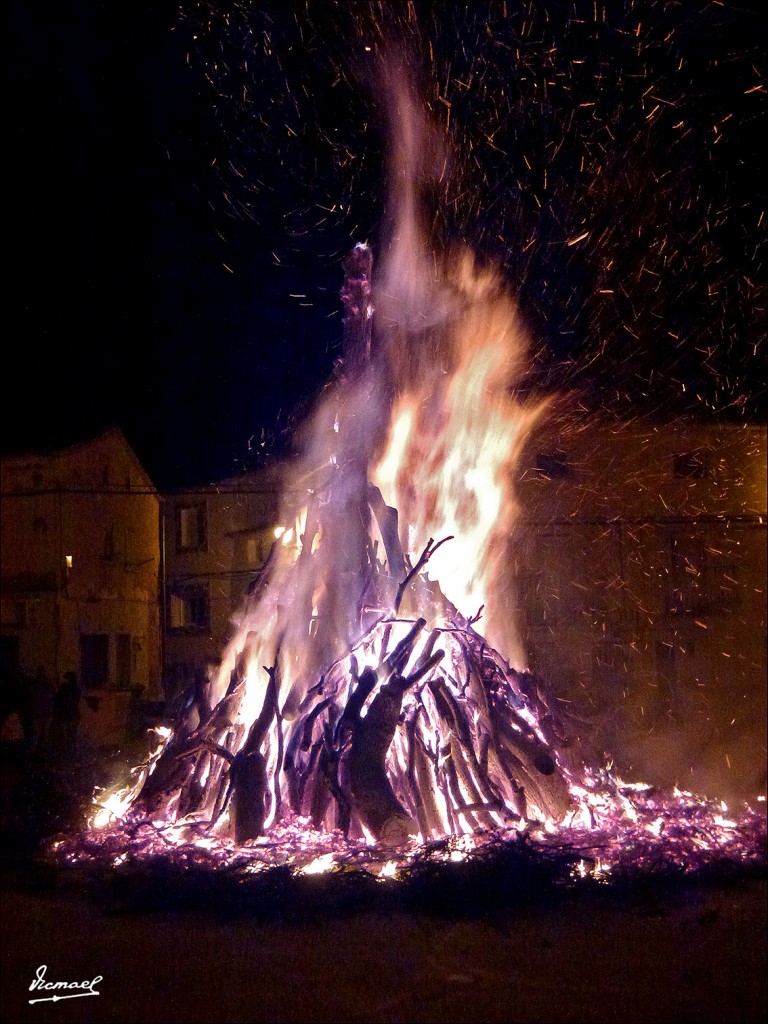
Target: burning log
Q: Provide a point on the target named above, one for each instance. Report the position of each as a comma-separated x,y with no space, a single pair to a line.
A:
387,521
356,298
366,742
248,770
364,769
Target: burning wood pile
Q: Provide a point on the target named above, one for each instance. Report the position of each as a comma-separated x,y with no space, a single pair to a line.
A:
381,711
360,704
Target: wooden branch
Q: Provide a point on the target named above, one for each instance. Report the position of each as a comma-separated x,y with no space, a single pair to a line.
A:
249,783
397,659
278,761
250,787
425,667
459,803
425,556
426,780
301,736
351,713
387,520
531,765
173,769
258,731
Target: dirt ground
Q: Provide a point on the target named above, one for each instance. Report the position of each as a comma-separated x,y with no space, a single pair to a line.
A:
696,955
699,958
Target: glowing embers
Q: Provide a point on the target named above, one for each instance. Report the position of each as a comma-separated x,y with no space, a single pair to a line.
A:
676,833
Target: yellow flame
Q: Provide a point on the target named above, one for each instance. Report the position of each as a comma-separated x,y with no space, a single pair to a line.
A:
389,870
325,862
112,807
454,436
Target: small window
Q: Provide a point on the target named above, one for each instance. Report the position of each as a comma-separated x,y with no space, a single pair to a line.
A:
553,466
94,660
691,466
189,609
257,548
191,528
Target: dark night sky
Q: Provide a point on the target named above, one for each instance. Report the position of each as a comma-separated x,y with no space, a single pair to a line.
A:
178,174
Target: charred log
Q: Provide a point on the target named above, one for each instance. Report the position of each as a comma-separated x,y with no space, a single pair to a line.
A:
250,784
387,521
365,772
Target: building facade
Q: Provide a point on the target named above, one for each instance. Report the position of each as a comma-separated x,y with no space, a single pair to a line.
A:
80,576
639,586
215,540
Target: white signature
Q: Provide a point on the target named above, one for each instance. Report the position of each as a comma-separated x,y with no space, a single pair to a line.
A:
83,988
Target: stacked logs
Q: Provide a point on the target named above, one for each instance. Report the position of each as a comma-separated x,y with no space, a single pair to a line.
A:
439,736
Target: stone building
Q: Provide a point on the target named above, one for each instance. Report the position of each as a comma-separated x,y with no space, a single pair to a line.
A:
80,576
639,578
215,539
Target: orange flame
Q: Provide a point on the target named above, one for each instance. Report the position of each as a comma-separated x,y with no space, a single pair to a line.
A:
454,439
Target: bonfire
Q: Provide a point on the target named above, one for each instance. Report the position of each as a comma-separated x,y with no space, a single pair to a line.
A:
374,697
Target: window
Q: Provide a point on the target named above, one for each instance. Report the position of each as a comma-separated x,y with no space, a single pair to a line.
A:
189,608
9,656
691,466
94,660
191,528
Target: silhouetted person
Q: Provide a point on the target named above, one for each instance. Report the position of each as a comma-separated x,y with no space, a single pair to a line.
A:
66,712
14,706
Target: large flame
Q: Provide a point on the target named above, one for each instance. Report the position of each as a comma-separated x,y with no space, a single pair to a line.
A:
410,453
453,441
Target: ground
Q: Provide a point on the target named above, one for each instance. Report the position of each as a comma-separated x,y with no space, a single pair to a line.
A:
694,955
701,959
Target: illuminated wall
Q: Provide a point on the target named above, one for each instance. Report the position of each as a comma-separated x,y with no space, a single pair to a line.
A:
641,576
80,567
